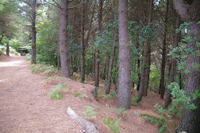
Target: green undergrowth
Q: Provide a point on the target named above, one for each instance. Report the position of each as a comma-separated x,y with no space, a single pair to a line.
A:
57,91
157,121
11,50
134,101
121,112
44,69
79,95
111,95
89,113
113,125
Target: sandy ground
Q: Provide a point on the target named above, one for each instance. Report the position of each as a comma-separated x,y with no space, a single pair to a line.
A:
25,106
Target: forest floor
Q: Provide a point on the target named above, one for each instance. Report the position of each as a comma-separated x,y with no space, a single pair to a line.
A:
25,105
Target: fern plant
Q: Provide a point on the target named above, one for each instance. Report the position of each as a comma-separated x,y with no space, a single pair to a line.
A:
56,92
112,124
157,121
90,113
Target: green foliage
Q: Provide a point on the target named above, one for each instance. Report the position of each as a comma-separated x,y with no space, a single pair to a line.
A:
79,95
154,78
121,112
47,42
13,51
28,57
16,44
111,95
157,121
134,101
112,124
2,50
181,100
90,112
44,69
188,37
56,92
7,9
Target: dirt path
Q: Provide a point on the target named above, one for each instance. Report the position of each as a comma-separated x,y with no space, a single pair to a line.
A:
24,107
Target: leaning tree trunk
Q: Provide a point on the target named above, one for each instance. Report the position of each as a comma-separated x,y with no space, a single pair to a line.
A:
82,42
162,80
124,83
190,11
144,82
63,39
172,70
34,4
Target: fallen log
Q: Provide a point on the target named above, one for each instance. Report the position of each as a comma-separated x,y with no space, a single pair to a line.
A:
88,126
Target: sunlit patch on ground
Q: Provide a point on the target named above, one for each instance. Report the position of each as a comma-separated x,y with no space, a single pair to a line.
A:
11,63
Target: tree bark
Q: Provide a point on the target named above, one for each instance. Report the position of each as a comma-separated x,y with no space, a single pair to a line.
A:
82,43
124,83
138,65
33,20
144,82
162,71
172,67
191,12
7,49
97,51
110,68
63,39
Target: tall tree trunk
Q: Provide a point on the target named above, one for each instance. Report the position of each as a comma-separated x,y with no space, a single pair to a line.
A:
162,71
144,82
7,49
138,65
172,66
110,68
82,42
97,51
34,4
105,68
90,26
1,38
191,12
180,80
124,83
63,39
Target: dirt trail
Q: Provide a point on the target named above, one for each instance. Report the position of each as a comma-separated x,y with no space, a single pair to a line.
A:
24,107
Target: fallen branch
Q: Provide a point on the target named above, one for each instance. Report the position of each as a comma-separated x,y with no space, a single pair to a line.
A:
86,125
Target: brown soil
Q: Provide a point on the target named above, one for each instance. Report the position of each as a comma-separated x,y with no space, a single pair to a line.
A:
25,106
